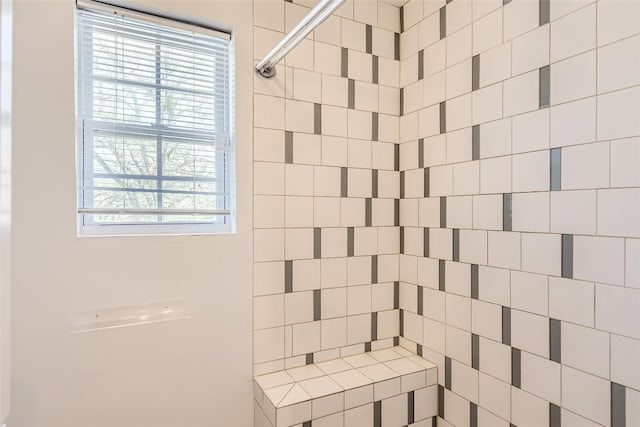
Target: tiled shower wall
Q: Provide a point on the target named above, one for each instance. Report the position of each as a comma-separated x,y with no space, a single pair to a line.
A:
520,210
326,185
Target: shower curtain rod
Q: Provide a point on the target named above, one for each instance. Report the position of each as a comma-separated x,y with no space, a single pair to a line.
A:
315,17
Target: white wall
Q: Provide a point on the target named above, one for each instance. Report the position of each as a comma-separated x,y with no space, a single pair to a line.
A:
5,199
186,373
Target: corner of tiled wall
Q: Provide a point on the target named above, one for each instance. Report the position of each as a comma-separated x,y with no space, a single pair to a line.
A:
326,190
520,209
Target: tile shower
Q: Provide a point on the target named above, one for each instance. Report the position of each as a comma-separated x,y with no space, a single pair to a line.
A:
460,180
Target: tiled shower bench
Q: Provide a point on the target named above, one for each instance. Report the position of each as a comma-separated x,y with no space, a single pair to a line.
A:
391,387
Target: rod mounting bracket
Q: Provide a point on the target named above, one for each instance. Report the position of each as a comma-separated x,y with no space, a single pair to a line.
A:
267,72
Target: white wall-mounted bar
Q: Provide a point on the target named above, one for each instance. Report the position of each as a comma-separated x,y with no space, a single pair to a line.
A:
315,17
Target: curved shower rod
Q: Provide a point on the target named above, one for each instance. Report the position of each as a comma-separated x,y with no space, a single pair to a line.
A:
315,17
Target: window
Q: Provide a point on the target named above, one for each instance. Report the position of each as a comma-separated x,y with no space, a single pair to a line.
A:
154,120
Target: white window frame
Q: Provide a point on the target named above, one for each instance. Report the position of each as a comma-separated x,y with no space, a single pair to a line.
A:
225,168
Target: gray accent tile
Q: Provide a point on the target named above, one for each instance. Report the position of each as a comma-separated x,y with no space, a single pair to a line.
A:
401,322
316,304
555,343
475,142
515,367
396,341
545,86
475,72
421,64
377,413
351,94
475,351
401,240
427,183
288,147
443,117
374,326
544,12
402,184
473,414
420,300
374,269
401,101
441,273
344,62
556,169
317,243
396,295
443,212
475,290
396,212
505,2
344,182
440,401
425,243
367,212
443,22
506,211
567,256
434,421
367,346
288,277
396,46
419,349
368,38
421,153
317,119
618,405
350,241
506,325
396,157
309,361
447,373
374,183
374,69
374,126
554,415
402,19
307,423
456,245
411,412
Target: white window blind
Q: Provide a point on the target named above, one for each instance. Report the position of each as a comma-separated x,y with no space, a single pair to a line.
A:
154,126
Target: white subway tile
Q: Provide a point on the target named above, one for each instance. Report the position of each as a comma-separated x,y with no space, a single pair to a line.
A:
574,33
624,170
541,377
495,138
528,410
530,332
521,93
473,246
458,46
458,344
487,32
617,20
632,273
573,212
459,146
496,359
586,349
573,78
571,300
457,79
466,178
429,30
618,212
487,212
495,395
531,131
458,311
530,292
585,166
520,16
458,112
530,212
618,310
541,253
587,395
531,171
495,65
531,50
573,123
268,245
598,259
625,353
494,285
298,211
458,16
618,65
486,104
495,175
618,114
486,320
504,250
